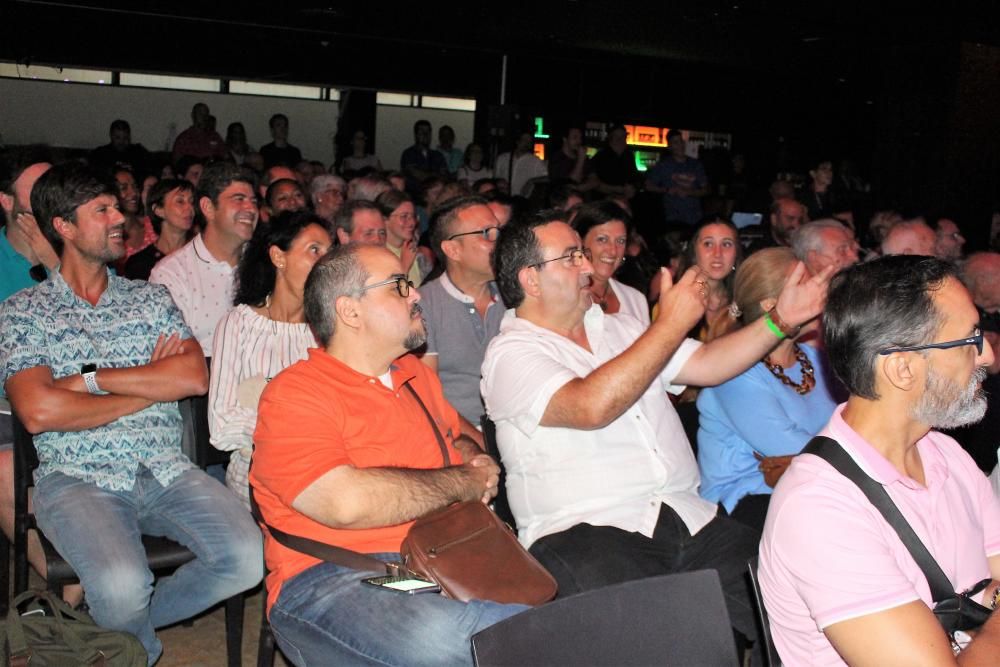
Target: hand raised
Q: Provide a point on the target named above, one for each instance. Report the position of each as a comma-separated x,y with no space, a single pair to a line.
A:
682,304
802,298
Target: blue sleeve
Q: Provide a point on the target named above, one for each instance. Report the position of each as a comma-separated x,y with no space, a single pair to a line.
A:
754,404
23,344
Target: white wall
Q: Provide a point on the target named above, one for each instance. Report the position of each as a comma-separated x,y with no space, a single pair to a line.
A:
394,129
78,115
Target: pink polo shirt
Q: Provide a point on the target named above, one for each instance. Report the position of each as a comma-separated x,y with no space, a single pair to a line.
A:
827,555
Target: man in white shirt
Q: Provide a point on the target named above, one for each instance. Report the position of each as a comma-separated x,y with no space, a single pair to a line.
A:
200,275
527,167
600,476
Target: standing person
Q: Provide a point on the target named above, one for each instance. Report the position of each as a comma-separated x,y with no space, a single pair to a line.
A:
419,162
279,151
819,197
838,583
604,227
569,162
473,166
453,157
359,159
171,213
200,140
120,152
681,180
236,143
345,455
200,275
612,169
263,334
751,426
400,228
527,167
94,365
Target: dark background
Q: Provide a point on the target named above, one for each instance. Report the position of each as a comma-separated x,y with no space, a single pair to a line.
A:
910,94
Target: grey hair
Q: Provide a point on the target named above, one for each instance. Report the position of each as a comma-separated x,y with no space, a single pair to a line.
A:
810,236
323,182
338,273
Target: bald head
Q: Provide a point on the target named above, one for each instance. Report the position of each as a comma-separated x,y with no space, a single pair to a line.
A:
909,237
981,275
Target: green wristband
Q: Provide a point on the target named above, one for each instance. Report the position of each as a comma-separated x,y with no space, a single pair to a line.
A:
773,327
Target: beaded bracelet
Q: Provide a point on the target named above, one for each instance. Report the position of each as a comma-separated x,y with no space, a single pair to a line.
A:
786,329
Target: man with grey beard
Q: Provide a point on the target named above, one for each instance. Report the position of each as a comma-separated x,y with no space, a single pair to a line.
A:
903,335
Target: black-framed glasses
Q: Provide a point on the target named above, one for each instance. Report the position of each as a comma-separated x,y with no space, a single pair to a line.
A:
489,233
402,285
975,339
575,256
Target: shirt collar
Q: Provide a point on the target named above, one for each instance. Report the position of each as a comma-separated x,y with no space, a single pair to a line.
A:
349,376
593,323
205,255
459,295
67,296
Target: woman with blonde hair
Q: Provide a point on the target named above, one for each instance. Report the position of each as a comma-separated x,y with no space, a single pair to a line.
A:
751,425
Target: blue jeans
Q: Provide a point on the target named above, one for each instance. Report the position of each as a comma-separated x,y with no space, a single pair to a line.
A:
99,532
326,616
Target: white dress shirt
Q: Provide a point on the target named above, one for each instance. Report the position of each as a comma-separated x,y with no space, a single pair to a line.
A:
614,476
202,287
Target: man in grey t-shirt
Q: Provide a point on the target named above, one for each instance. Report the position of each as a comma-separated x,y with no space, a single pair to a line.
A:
462,307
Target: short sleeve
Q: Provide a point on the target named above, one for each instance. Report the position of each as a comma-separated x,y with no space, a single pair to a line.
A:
683,354
519,380
835,554
23,343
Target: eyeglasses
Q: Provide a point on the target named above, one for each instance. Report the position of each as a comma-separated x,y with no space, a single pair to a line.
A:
489,233
576,257
402,285
975,339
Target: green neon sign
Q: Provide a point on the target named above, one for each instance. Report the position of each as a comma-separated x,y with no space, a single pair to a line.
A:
540,128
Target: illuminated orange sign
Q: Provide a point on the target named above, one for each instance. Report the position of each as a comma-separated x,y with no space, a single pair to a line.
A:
642,135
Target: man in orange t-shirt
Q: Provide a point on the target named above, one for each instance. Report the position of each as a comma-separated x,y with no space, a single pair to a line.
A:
345,455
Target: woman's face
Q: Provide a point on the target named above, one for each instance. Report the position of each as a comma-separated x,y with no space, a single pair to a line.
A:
400,225
715,250
193,174
178,209
475,155
607,245
128,192
312,243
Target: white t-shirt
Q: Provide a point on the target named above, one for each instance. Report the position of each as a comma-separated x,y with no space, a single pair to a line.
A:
201,286
526,167
614,476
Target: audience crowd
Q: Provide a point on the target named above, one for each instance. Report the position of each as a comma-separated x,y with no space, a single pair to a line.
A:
339,318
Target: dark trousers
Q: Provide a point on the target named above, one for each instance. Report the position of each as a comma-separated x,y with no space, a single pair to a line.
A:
752,510
587,557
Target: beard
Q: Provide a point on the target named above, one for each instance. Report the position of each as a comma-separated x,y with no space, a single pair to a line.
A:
946,405
415,339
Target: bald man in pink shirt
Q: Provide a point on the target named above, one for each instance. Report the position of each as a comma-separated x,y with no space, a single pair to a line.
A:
839,586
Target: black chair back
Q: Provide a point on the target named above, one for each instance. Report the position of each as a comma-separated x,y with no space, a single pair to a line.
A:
768,651
500,504
676,619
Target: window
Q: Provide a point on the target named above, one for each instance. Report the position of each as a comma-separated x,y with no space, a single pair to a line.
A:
44,73
278,90
456,103
395,99
173,82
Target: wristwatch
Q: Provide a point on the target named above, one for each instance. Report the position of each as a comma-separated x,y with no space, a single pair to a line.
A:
89,373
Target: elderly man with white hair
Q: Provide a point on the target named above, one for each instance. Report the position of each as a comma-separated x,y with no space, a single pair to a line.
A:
824,243
910,237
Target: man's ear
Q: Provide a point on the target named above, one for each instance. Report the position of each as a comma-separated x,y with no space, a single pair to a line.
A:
450,249
343,237
207,208
528,277
348,312
903,370
7,203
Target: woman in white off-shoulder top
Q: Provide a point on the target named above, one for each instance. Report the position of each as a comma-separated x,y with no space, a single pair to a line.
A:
264,334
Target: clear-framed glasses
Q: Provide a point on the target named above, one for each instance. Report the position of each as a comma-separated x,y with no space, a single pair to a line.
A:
975,339
488,233
402,284
576,257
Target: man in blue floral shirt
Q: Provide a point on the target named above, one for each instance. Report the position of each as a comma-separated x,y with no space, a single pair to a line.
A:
93,365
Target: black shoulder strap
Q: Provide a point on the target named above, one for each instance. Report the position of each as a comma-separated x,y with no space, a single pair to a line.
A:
315,548
830,451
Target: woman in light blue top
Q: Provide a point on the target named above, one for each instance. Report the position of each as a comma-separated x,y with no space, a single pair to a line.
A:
752,425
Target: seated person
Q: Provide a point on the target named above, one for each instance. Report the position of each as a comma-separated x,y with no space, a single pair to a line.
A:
400,226
263,334
752,425
604,227
600,476
838,584
171,212
346,455
94,365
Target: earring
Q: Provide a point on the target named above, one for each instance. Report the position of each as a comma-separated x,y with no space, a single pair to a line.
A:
734,268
